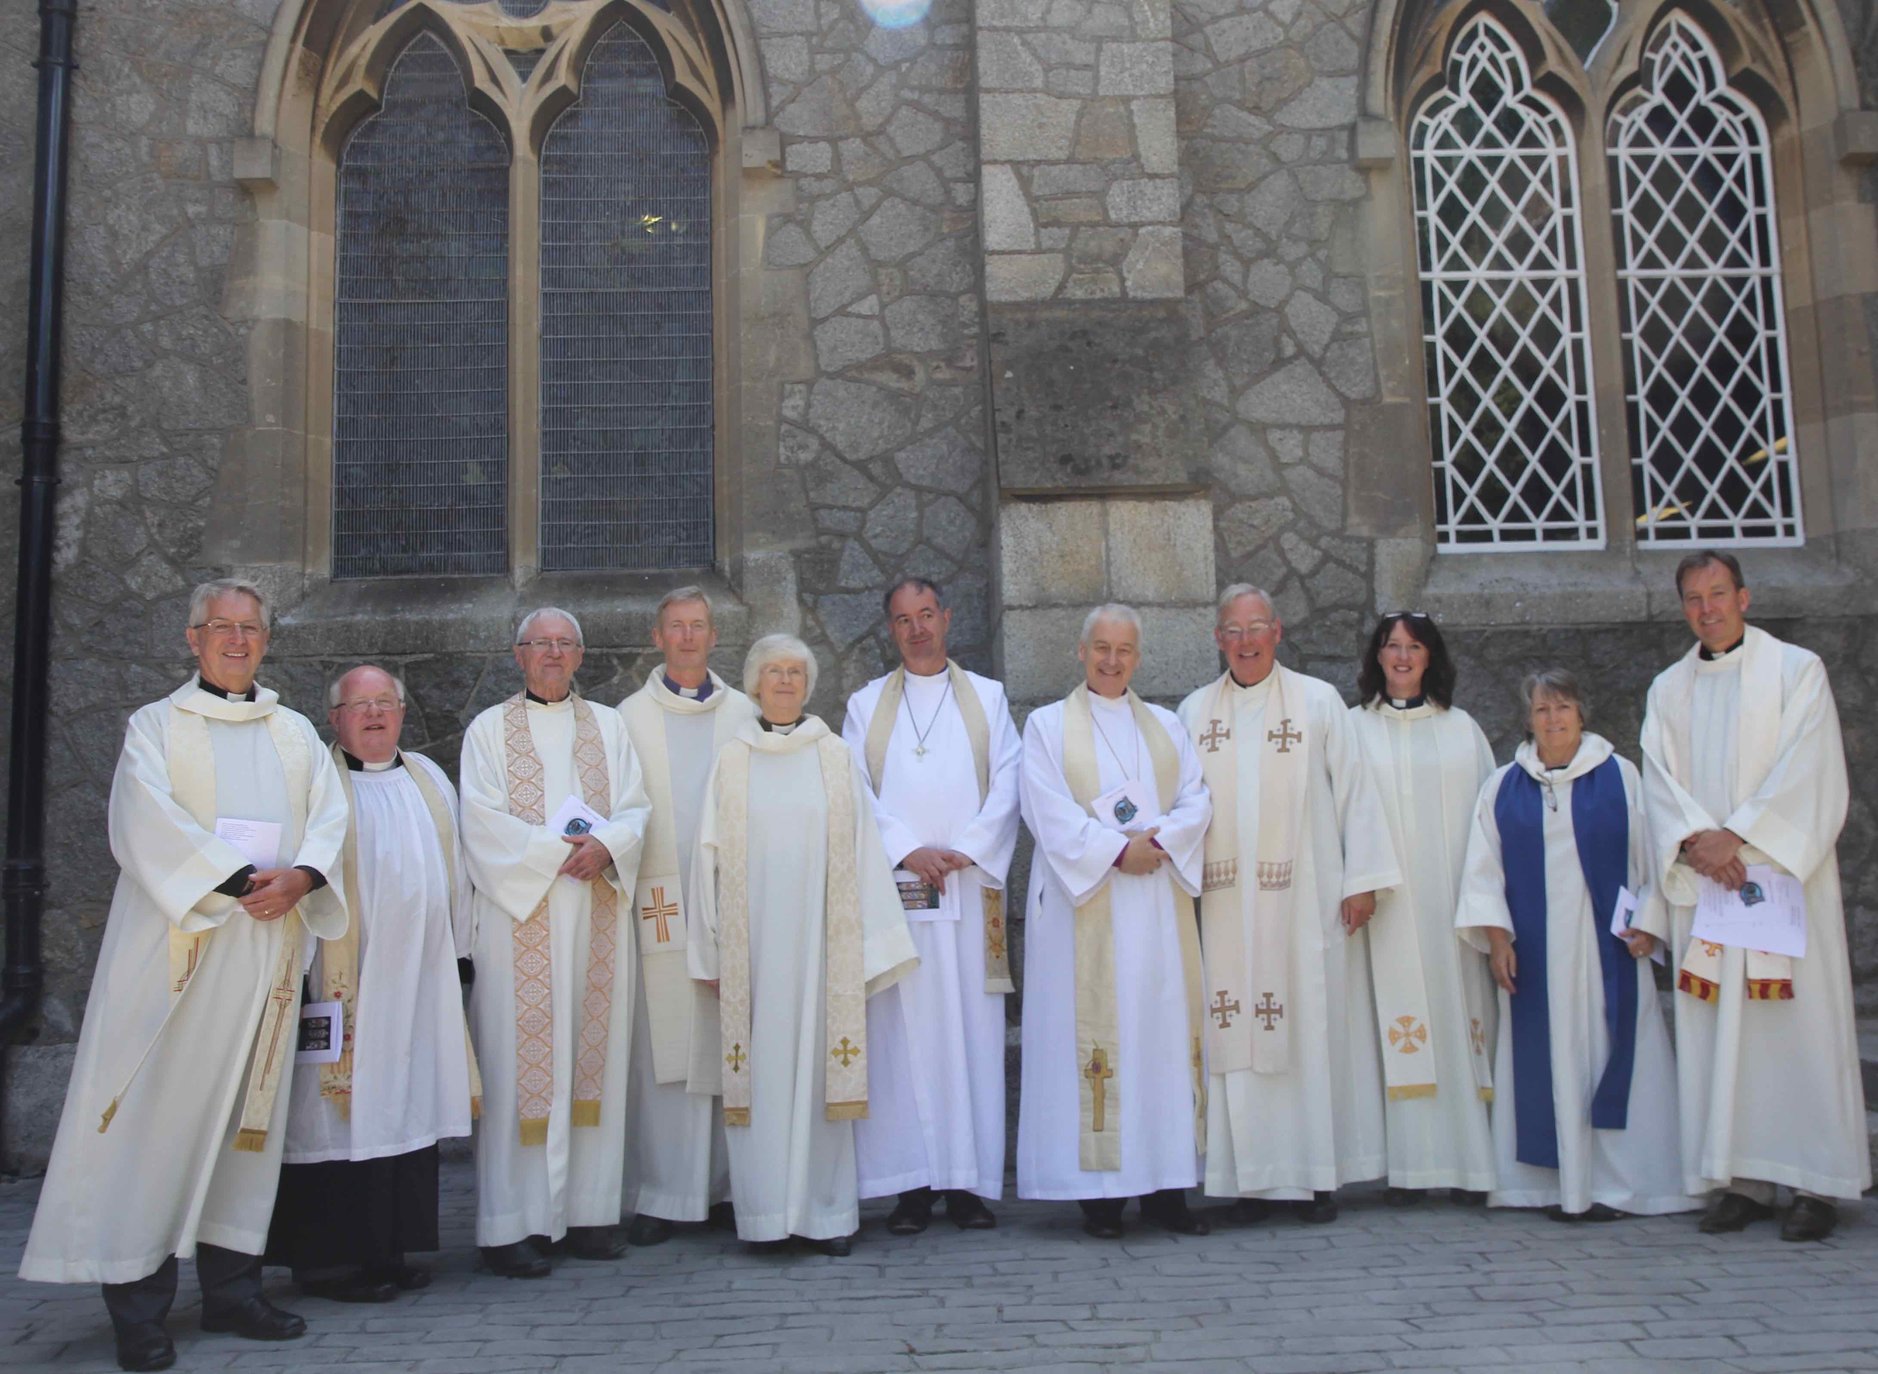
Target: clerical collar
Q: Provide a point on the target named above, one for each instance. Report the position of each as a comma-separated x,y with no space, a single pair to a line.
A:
699,693
1708,657
543,701
212,689
771,727
354,764
1410,703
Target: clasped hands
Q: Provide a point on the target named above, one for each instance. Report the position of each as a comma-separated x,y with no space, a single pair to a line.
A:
1716,854
273,892
931,864
590,858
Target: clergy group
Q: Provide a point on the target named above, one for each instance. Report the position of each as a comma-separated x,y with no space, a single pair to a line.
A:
700,959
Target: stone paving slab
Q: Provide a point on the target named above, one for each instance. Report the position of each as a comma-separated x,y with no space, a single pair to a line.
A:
1432,1287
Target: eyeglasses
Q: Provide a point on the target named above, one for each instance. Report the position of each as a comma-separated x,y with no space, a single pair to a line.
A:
386,705
1406,615
1252,627
541,646
250,629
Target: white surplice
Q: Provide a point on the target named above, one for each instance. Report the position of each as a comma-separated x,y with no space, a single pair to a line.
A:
677,1163
936,1039
1286,1135
575,1178
792,1170
410,1074
116,1204
1771,1090
1075,855
1635,1169
1429,764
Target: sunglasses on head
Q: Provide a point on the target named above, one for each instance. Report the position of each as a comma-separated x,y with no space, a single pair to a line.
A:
1406,615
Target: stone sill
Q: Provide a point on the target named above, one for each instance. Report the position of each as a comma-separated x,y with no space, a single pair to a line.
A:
1489,590
474,615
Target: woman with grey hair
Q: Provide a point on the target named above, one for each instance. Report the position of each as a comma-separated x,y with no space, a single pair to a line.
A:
1584,1106
787,816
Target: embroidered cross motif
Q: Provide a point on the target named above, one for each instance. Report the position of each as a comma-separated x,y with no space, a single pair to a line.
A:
1477,1034
1408,1035
280,997
1215,736
1270,1012
1284,736
1222,1010
996,924
846,1052
660,911
1098,1073
736,1057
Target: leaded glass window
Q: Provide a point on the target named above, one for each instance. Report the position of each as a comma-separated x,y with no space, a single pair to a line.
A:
1708,400
420,364
1495,186
627,415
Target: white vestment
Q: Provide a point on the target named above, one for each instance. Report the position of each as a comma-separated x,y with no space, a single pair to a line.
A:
792,1170
116,1204
1075,856
1635,1169
1428,764
575,1178
936,1039
1771,1090
1319,1125
677,1163
410,1063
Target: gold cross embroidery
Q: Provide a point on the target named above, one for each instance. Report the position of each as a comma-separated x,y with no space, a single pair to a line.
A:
1215,735
1269,1011
1408,1035
1098,1073
1284,736
660,911
846,1052
281,997
736,1057
1222,1010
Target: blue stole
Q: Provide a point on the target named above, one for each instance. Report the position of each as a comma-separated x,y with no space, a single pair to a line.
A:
1601,824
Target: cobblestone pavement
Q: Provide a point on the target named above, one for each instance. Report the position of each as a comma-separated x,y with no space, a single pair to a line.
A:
1428,1287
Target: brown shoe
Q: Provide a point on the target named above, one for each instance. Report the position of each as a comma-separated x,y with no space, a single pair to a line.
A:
1732,1212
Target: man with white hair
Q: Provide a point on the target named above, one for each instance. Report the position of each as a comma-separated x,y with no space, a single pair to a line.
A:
554,813
1298,848
358,1190
1113,1099
676,1166
226,821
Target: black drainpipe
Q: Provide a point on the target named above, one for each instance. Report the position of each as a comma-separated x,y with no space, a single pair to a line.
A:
23,877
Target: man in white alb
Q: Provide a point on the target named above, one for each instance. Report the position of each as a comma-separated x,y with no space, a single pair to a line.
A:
553,816
676,1165
1297,850
226,821
358,1189
1744,782
1113,1100
940,755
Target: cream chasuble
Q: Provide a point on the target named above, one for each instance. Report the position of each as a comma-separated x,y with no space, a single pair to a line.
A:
1429,764
795,914
1634,1169
182,1061
1315,1122
407,1079
676,1165
1145,1087
1771,1088
573,1177
936,1039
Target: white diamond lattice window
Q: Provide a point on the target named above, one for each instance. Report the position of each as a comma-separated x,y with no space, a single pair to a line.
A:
1705,353
1503,306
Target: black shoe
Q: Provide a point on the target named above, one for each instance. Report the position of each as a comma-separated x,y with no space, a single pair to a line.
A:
1251,1211
1597,1211
1322,1208
1403,1197
838,1246
1102,1217
254,1319
407,1278
1810,1218
767,1247
145,1345
968,1211
1732,1212
516,1260
1168,1210
911,1214
722,1217
649,1230
594,1243
355,1287
1467,1197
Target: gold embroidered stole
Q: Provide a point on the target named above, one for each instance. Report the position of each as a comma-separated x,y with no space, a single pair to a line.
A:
1769,977
1397,978
191,760
1098,1030
339,959
844,998
1248,1016
534,964
978,732
672,998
